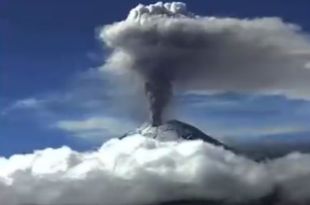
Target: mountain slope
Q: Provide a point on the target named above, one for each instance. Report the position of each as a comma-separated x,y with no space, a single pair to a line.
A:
174,130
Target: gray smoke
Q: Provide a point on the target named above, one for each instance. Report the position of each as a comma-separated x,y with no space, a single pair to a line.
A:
158,91
169,46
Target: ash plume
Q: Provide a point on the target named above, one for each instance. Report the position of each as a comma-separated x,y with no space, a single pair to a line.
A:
158,91
168,46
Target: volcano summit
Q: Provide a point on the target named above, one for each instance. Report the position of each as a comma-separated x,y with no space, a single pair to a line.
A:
173,130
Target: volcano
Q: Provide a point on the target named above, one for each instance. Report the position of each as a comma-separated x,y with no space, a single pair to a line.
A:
174,130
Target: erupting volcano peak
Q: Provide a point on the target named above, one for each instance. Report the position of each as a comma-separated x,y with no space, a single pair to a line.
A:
174,130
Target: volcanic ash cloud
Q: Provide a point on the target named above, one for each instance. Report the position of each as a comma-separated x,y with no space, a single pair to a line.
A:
167,45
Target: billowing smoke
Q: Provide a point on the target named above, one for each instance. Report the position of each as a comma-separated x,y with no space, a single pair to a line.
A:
138,170
158,92
169,46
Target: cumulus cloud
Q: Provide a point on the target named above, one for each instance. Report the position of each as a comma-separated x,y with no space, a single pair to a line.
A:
265,55
138,170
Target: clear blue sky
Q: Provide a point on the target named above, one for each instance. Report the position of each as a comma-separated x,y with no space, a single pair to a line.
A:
46,45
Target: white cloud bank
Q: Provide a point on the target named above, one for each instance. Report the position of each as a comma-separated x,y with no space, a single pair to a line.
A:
139,170
265,55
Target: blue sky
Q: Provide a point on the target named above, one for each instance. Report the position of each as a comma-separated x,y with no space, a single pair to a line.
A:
49,96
